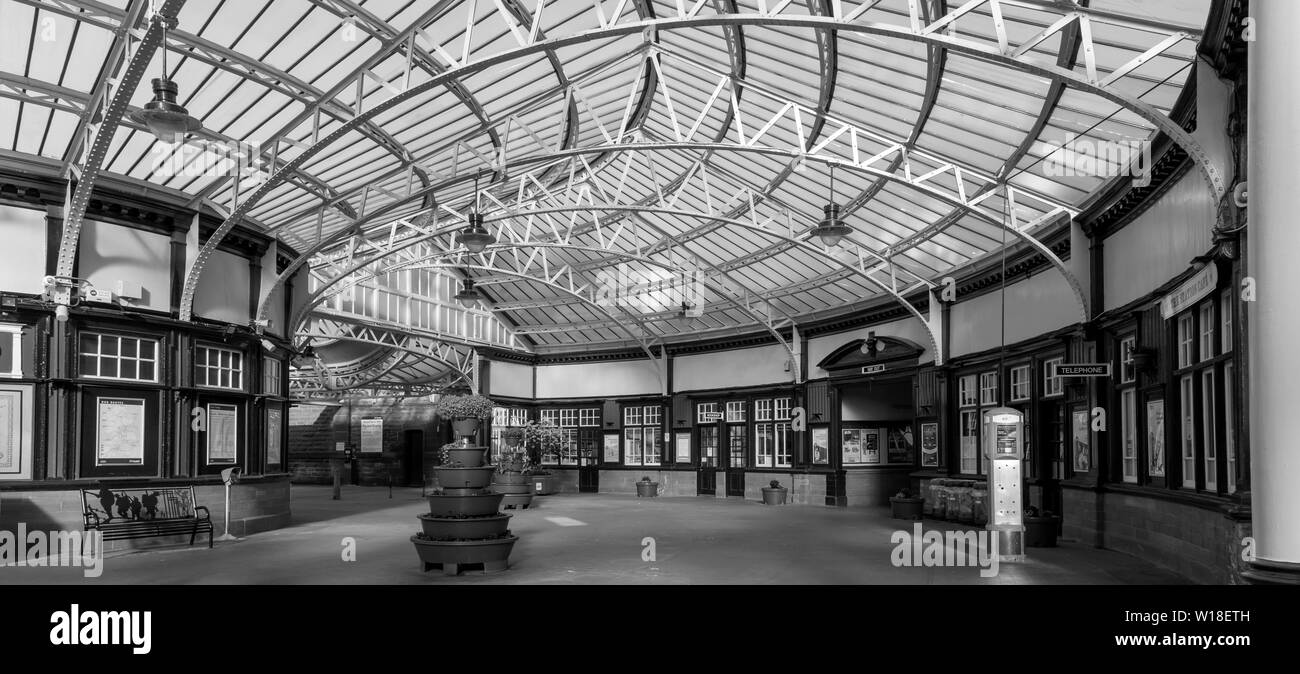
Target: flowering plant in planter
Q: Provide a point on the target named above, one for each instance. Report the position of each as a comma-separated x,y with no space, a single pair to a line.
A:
541,440
464,407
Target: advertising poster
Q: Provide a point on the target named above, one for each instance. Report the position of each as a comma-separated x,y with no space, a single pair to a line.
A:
683,445
930,444
274,426
1156,438
899,447
821,446
611,448
223,433
871,445
851,448
119,432
372,434
1081,443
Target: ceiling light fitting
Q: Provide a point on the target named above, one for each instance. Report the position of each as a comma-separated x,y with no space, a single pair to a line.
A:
831,229
167,120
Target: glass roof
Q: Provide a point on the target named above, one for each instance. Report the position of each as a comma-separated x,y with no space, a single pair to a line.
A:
640,136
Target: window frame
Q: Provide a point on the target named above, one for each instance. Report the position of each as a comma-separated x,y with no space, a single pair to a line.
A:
99,355
220,368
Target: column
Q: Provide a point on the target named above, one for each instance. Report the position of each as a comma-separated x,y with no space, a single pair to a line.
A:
1272,320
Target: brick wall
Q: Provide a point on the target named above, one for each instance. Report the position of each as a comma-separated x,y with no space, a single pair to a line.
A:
1202,545
254,506
314,431
872,488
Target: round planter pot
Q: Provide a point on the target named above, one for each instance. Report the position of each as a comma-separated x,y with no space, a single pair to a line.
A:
774,496
493,553
512,478
907,508
469,505
647,489
464,478
526,488
470,457
1040,532
470,528
465,428
517,501
460,491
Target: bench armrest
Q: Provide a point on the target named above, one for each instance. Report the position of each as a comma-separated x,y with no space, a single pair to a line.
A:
206,515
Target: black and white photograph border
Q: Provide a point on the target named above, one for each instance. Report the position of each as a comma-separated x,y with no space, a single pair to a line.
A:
921,294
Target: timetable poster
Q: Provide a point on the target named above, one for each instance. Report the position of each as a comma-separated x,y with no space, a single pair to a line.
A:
274,426
223,432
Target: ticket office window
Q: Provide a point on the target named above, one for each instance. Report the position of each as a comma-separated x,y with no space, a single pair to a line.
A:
1204,385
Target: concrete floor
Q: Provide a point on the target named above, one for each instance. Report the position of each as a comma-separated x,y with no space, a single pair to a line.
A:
592,539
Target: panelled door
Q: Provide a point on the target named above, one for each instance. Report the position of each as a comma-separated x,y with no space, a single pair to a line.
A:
706,438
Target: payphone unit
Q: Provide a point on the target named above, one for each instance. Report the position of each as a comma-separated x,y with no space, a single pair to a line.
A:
1004,449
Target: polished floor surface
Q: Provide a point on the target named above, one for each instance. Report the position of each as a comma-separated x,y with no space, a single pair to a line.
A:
593,539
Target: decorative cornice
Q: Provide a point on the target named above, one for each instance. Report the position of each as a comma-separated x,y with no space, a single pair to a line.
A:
108,205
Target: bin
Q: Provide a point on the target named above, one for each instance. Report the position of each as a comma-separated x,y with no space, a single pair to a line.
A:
979,503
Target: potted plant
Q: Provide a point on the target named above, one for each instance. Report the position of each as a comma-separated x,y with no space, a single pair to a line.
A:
455,454
1041,528
540,441
466,412
647,488
513,477
907,505
774,493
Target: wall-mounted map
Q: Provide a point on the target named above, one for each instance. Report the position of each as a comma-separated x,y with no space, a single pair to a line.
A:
119,434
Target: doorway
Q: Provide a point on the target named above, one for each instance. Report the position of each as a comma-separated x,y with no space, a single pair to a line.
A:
413,457
706,480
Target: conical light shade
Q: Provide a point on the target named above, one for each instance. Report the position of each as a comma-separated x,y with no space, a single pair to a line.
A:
168,121
475,237
831,229
469,296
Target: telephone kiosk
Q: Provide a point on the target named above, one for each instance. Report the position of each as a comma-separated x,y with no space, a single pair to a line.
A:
1004,449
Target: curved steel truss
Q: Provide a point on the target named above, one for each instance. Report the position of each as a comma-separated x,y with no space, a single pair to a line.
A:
644,134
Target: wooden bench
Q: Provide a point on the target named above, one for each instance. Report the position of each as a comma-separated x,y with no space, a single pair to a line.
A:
122,514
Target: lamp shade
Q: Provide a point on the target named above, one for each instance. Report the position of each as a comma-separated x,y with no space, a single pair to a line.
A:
469,296
168,121
831,229
475,237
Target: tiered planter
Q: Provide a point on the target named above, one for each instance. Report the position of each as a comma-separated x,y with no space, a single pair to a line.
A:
516,489
465,524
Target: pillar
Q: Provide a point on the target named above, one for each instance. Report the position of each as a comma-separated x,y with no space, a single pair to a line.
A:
1272,320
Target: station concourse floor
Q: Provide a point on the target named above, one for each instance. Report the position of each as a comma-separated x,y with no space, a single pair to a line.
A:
592,539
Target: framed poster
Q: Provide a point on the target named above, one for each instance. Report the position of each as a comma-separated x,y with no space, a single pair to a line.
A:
871,445
1156,438
16,432
821,445
851,446
898,448
223,433
611,447
930,444
682,444
1081,445
119,431
274,429
372,434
